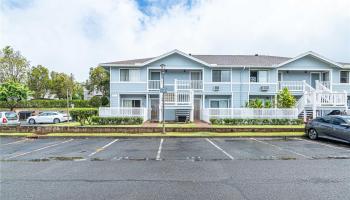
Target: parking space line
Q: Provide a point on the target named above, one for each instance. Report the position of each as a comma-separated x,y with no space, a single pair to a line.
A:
223,151
102,148
42,148
19,141
159,149
282,149
320,143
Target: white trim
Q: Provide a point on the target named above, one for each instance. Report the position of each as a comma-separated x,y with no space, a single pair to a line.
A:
228,102
173,52
310,53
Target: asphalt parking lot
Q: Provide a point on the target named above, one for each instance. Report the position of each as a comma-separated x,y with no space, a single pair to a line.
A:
173,168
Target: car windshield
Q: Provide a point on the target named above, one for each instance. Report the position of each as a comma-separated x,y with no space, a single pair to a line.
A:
10,115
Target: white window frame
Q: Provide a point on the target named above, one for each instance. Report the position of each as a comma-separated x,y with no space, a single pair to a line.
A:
258,79
139,77
228,102
229,70
348,76
132,99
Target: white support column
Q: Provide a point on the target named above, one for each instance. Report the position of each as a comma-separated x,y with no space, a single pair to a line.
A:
231,100
147,107
160,107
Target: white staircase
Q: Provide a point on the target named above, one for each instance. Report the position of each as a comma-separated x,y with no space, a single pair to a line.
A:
182,115
315,101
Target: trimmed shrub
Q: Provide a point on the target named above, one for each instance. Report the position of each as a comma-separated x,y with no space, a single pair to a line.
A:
104,101
95,101
83,115
117,120
232,121
50,104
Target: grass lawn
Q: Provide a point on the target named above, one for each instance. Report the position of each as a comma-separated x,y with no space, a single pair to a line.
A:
170,134
78,124
258,126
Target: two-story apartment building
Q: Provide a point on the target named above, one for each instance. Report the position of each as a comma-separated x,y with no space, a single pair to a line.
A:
202,86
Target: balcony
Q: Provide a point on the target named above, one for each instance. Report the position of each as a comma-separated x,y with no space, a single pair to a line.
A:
153,84
292,86
178,98
188,84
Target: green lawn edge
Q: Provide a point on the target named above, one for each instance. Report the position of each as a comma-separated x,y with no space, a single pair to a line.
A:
170,134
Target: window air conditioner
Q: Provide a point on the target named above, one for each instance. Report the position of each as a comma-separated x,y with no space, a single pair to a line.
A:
264,88
216,88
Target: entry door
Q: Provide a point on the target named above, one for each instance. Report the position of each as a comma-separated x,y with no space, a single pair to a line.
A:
315,77
154,109
197,109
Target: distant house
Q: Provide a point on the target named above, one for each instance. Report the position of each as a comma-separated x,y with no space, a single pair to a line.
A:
88,95
199,87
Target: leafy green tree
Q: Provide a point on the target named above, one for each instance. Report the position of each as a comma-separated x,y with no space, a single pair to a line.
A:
13,66
12,93
285,99
39,81
60,83
267,104
255,103
98,80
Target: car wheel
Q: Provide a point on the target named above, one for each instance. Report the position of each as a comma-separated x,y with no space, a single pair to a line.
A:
312,134
31,121
55,121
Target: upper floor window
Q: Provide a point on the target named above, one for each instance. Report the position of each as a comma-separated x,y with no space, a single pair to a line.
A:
344,77
129,75
260,76
221,75
155,76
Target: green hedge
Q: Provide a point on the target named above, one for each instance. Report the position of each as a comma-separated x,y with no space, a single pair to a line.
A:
117,120
232,121
83,115
50,104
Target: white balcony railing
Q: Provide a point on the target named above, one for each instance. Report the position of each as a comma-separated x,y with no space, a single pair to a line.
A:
331,99
178,98
188,84
153,84
123,112
293,86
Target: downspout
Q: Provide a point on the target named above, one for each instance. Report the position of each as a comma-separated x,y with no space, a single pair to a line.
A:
240,85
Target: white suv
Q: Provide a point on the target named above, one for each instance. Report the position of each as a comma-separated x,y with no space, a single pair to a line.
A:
48,117
8,118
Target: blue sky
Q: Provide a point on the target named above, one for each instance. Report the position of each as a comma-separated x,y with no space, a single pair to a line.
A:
74,35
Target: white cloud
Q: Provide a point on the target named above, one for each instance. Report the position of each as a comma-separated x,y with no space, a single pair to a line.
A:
72,36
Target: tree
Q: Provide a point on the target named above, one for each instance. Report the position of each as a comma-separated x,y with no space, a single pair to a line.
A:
98,80
39,81
285,99
60,83
13,92
13,66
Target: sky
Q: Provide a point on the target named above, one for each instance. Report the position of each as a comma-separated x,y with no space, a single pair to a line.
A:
73,35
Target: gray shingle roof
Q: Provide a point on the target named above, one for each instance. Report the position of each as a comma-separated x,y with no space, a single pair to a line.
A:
244,60
252,60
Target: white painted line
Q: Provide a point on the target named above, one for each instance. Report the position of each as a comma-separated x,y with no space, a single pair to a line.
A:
42,148
320,143
14,142
102,148
223,151
282,149
159,149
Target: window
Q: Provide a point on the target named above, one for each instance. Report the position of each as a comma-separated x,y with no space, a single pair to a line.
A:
280,76
219,103
132,103
337,121
259,76
344,77
221,76
127,75
155,76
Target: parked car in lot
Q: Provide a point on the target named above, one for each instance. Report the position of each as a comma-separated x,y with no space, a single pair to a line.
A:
336,127
48,117
8,118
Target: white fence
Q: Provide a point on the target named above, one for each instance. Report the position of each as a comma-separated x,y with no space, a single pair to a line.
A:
123,112
178,98
153,84
250,113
